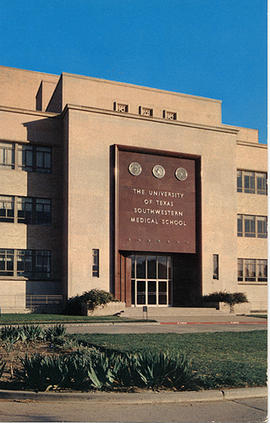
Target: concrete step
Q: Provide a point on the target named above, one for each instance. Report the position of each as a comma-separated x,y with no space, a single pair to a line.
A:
171,311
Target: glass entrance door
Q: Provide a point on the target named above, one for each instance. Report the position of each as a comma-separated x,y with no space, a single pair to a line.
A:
151,279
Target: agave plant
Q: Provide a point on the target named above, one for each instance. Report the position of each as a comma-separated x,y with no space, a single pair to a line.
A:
31,332
10,332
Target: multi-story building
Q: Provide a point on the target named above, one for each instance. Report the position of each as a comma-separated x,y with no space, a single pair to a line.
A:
135,190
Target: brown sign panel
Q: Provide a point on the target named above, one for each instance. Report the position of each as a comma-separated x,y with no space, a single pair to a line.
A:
156,203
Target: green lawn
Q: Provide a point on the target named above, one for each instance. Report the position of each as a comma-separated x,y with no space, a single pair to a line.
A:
224,359
14,319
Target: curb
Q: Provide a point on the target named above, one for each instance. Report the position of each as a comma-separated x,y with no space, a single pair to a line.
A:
136,398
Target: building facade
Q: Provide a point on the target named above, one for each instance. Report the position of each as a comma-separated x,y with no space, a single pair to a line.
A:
134,190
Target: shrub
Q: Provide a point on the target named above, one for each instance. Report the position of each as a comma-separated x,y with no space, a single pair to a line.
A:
89,300
55,333
226,297
164,369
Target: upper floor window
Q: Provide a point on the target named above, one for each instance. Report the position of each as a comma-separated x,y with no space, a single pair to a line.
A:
25,210
34,158
252,270
27,157
32,264
7,155
251,182
251,226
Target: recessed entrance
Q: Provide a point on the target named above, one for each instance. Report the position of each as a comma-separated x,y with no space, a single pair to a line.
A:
151,280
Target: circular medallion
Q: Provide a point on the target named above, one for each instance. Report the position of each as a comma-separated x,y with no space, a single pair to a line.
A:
135,169
181,174
158,171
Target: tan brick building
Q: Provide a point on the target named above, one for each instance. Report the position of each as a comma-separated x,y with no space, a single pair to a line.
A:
125,188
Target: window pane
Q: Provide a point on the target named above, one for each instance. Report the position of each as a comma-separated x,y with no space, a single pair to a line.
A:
151,267
42,211
249,224
43,159
240,269
215,266
249,182
250,270
162,267
25,157
140,270
6,209
152,292
239,181
25,210
261,183
262,270
162,292
7,155
262,227
141,292
6,262
239,225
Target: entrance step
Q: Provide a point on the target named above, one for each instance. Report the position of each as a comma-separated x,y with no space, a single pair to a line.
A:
171,312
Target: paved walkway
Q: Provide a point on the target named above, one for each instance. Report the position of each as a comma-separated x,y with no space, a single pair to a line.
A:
177,324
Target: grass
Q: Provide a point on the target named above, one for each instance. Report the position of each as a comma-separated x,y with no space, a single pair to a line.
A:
15,319
227,359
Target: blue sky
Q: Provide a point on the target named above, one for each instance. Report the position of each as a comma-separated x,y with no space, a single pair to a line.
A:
210,48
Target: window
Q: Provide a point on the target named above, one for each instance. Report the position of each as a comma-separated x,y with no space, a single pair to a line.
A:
251,226
34,158
252,270
169,115
215,266
7,155
95,265
120,107
32,264
42,211
28,210
6,209
25,210
145,111
6,262
251,182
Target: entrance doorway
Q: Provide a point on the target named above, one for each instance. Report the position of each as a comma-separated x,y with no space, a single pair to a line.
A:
151,280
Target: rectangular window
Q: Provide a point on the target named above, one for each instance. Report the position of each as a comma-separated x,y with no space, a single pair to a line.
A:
32,264
6,209
261,226
34,158
43,159
252,270
261,183
251,226
239,225
6,262
25,210
95,265
239,181
215,266
29,210
252,182
25,157
7,155
42,211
